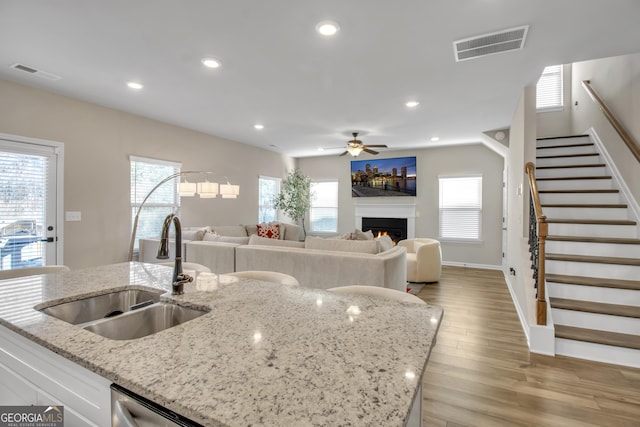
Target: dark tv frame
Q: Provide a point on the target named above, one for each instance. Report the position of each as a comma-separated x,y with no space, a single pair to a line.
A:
383,183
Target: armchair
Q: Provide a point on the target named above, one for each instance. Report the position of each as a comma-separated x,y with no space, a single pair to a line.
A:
424,259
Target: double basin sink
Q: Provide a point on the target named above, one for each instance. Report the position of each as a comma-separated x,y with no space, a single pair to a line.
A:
123,315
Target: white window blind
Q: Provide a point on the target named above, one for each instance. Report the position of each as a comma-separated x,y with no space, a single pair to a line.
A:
324,206
146,174
268,189
460,207
549,89
23,206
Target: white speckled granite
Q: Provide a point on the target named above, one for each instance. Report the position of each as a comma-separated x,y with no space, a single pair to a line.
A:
265,354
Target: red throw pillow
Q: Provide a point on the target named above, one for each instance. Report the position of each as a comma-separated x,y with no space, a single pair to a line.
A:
272,231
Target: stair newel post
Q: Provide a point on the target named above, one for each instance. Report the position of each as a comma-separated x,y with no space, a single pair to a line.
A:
541,303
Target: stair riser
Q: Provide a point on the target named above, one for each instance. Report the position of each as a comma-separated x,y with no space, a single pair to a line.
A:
592,230
565,151
594,293
580,198
600,322
554,142
598,352
611,271
586,213
567,172
594,249
576,184
562,161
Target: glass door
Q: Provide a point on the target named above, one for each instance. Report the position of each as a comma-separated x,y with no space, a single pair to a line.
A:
28,204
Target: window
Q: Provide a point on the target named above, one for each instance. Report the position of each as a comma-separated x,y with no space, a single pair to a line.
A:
146,174
268,189
461,207
324,206
549,89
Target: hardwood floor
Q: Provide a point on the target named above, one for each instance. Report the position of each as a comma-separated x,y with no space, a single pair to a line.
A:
481,372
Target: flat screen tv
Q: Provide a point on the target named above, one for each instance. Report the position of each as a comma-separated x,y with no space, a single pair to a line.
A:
383,177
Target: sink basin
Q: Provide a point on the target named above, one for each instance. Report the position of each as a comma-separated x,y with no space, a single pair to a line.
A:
144,321
101,306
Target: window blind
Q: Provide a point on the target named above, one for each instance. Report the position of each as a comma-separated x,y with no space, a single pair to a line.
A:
460,207
549,89
145,174
324,206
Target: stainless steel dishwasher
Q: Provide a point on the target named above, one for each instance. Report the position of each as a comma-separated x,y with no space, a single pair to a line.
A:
130,410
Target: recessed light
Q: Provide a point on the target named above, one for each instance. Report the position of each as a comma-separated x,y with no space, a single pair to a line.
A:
258,126
135,85
435,139
327,28
412,104
211,62
320,149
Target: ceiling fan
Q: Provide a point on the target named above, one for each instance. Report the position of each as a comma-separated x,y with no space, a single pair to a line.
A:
355,147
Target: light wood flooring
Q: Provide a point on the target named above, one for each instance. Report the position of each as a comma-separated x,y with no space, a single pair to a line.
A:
481,373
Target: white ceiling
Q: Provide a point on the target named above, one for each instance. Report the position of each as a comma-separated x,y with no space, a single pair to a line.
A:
307,90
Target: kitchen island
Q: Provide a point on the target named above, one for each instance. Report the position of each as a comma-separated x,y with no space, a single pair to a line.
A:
263,354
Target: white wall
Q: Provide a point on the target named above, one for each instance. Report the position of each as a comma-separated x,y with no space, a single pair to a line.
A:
431,162
98,142
617,82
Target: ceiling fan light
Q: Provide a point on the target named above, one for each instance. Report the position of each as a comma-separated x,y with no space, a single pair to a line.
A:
354,151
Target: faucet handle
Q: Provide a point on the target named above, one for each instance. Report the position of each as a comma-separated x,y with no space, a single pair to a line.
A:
177,288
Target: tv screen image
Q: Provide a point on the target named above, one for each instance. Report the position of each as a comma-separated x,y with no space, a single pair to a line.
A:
383,177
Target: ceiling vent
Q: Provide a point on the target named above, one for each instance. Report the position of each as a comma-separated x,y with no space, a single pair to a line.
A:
489,44
35,72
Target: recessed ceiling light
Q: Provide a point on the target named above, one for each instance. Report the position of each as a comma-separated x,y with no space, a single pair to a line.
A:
211,62
320,149
412,104
258,126
435,139
135,85
327,28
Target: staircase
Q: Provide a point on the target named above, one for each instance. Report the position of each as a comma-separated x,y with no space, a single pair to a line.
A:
592,254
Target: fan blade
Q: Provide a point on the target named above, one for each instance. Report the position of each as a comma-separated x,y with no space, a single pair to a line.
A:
379,145
366,150
343,153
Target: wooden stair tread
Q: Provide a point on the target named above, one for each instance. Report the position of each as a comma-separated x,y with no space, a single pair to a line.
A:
593,259
590,165
591,221
586,205
546,138
578,144
586,239
595,307
579,191
594,281
568,155
572,178
598,337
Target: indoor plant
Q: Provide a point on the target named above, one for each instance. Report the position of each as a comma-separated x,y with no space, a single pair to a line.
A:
295,196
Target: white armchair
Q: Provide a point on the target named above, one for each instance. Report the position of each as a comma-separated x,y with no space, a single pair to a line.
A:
424,259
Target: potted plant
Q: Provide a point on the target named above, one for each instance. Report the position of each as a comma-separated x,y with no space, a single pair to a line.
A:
295,196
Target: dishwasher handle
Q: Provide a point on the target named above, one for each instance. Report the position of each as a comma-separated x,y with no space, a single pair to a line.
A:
124,416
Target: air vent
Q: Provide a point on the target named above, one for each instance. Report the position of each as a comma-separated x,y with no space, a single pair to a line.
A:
489,44
35,72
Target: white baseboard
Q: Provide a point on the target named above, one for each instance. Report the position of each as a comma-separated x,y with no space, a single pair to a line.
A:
472,265
521,315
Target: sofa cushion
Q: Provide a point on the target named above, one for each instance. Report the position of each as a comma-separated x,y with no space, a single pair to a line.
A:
362,246
213,237
254,239
271,230
362,235
291,232
384,243
195,234
230,230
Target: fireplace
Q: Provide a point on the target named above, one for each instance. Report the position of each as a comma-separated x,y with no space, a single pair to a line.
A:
386,211
396,228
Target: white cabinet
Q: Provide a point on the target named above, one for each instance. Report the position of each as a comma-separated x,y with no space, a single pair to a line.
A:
32,375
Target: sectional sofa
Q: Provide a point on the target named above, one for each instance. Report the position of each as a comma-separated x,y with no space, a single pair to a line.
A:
315,262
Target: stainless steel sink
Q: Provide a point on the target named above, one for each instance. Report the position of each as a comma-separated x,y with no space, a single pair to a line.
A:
144,321
102,306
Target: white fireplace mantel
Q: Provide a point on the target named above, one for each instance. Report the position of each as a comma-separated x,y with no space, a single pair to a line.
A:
391,210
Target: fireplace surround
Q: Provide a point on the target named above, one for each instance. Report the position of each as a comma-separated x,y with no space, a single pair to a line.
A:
388,210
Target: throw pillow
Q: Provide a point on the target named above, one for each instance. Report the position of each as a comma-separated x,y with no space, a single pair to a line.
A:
272,231
230,230
384,243
362,235
213,237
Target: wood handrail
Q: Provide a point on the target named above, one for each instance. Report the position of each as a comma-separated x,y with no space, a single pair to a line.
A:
542,233
626,137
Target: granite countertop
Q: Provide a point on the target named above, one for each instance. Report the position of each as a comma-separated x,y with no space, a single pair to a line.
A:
265,354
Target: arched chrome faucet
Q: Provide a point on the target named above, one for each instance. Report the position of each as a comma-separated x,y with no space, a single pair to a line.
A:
179,278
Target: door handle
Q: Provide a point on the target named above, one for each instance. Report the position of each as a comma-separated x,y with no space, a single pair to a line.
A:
48,240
